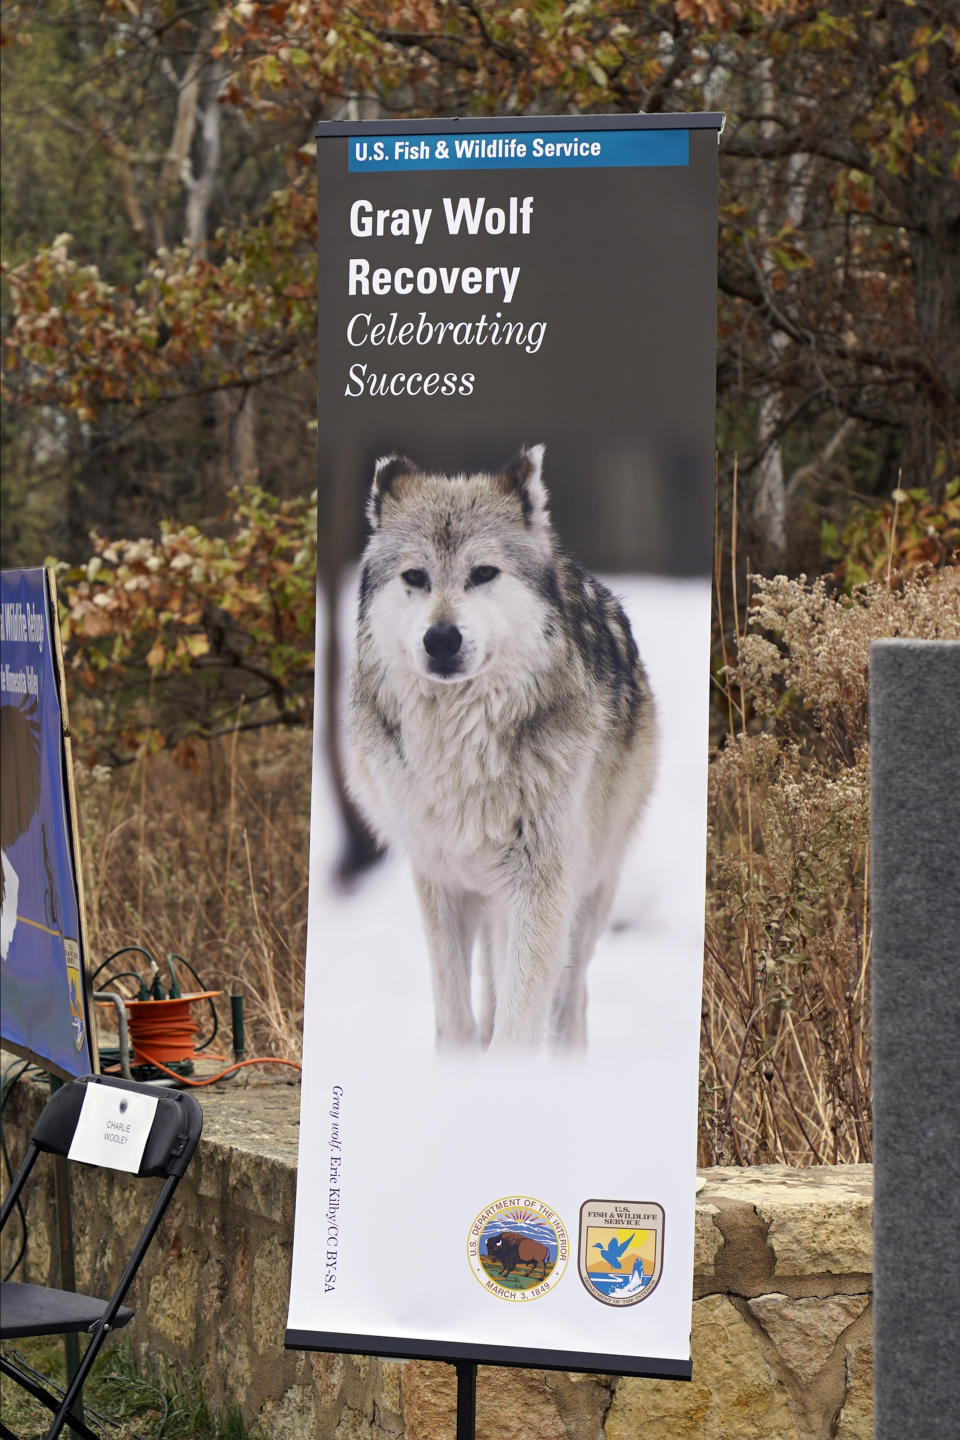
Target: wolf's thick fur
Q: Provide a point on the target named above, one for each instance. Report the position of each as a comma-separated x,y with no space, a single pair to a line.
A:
503,734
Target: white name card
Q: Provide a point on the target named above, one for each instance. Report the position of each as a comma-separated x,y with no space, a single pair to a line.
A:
113,1127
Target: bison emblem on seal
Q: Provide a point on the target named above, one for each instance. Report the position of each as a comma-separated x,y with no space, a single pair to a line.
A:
511,1250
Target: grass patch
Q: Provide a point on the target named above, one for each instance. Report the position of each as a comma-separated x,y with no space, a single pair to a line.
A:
122,1400
517,1279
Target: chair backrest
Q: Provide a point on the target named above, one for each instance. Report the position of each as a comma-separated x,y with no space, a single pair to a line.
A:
173,1134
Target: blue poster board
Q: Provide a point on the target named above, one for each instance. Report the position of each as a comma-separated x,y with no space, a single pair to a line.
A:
44,1013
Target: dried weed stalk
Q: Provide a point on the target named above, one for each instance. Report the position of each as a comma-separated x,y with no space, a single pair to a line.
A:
785,1070
210,863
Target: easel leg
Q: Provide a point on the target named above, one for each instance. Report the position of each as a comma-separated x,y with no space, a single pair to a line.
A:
68,1278
466,1399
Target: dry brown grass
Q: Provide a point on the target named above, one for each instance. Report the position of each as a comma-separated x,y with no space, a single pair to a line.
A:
785,1056
212,863
209,863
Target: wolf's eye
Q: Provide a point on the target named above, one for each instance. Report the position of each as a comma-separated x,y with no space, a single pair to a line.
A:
483,574
416,578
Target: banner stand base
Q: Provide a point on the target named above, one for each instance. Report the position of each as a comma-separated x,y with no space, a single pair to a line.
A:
466,1399
460,1353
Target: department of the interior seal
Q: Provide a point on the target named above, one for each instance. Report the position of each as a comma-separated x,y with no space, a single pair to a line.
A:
517,1248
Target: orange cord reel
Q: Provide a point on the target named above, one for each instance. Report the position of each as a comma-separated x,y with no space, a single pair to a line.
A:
163,1033
164,1030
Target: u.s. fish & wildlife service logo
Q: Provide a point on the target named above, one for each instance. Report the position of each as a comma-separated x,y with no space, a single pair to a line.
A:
71,955
620,1253
517,1248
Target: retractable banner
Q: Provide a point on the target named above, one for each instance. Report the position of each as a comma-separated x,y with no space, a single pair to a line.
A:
516,396
44,1013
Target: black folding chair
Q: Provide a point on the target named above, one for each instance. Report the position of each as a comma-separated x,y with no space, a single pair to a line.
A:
41,1310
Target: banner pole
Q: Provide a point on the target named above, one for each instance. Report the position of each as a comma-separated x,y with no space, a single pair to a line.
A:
466,1399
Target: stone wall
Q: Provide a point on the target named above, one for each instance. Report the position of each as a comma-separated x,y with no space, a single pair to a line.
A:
781,1314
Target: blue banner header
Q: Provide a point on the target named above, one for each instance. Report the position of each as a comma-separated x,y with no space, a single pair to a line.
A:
523,150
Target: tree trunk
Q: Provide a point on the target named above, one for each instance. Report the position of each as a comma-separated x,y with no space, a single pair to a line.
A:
931,453
770,499
200,186
236,413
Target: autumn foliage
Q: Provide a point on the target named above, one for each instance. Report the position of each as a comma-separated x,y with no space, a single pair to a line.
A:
193,635
191,323
839,364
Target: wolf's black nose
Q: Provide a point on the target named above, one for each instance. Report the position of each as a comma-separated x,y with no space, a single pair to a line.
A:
442,641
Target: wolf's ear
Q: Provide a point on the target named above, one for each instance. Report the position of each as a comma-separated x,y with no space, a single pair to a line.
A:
388,470
524,478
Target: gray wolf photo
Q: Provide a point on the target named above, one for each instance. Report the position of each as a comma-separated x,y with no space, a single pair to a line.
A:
502,733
